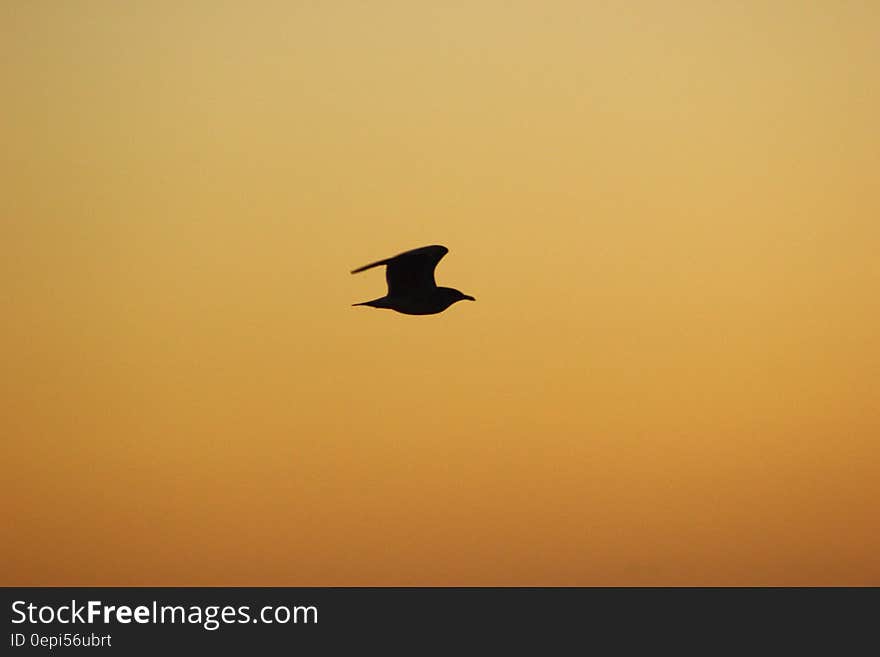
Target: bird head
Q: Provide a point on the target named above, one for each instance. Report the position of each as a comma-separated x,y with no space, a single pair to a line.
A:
454,295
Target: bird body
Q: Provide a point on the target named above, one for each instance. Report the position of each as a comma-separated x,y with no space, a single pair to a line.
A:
411,286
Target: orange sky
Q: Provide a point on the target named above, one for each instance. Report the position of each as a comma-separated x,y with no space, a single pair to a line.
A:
668,214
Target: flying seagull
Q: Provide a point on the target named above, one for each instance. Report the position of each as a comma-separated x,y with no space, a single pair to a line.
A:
411,286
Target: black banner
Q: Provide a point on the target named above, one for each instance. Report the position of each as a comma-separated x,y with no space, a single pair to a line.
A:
413,620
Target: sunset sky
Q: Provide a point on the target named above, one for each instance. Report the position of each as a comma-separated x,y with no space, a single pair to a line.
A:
668,212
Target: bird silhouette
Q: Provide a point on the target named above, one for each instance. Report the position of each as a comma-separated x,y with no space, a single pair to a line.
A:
411,286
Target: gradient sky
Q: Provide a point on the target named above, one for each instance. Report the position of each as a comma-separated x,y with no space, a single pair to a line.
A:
669,213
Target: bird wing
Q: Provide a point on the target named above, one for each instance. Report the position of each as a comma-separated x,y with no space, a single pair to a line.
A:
411,271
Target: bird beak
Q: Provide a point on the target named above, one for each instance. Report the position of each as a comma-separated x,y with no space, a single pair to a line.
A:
468,297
